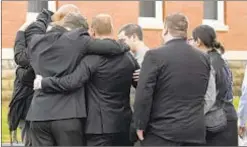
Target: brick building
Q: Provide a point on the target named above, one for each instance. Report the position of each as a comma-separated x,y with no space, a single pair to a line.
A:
229,19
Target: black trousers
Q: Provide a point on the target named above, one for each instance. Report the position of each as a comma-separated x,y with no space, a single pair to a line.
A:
154,140
58,133
111,139
25,132
227,137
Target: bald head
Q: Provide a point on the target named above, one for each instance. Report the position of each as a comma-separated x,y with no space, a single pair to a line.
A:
102,25
64,10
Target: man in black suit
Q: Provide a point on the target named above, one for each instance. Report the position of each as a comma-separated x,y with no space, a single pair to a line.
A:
108,81
169,105
57,118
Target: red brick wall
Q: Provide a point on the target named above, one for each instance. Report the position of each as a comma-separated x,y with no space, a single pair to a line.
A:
153,37
14,13
236,19
13,16
122,12
192,9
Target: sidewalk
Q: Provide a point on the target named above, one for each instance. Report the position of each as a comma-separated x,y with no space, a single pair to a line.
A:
14,144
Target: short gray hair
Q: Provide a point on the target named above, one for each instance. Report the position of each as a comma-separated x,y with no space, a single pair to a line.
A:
74,21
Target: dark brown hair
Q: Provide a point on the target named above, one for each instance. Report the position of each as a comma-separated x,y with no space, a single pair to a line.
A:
132,29
208,37
177,24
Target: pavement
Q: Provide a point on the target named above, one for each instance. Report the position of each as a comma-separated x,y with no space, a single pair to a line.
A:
14,144
242,142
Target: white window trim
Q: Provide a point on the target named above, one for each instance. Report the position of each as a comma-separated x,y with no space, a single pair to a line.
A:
52,6
31,16
7,54
153,22
218,25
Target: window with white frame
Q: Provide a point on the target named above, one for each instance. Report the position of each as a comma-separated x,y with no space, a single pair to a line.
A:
150,14
214,14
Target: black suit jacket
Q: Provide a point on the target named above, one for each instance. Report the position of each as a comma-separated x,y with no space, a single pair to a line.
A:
57,53
24,72
170,93
23,84
108,81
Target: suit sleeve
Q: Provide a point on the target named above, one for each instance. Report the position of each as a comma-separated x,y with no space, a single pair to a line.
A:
145,90
210,96
39,26
25,75
106,47
20,50
71,81
220,79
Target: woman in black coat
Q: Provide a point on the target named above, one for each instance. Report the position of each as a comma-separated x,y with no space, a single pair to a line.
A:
225,134
23,88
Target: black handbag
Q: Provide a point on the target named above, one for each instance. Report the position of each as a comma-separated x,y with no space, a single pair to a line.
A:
216,120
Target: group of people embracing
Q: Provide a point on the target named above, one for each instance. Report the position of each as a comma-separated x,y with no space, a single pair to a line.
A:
76,80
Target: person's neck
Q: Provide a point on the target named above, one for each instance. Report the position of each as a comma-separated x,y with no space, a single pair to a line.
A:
205,49
169,38
106,36
140,46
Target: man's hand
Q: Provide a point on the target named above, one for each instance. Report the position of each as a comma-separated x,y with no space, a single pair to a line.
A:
136,75
241,131
37,82
25,25
140,134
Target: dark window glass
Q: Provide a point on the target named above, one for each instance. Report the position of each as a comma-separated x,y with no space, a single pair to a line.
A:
147,8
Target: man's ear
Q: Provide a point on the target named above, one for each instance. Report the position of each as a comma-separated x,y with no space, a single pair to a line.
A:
57,16
133,38
165,31
92,32
59,23
198,42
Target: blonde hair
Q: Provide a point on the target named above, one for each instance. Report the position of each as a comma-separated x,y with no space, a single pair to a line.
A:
63,11
68,8
102,24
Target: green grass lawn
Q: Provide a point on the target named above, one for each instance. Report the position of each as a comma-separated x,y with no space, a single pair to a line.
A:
5,131
236,102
